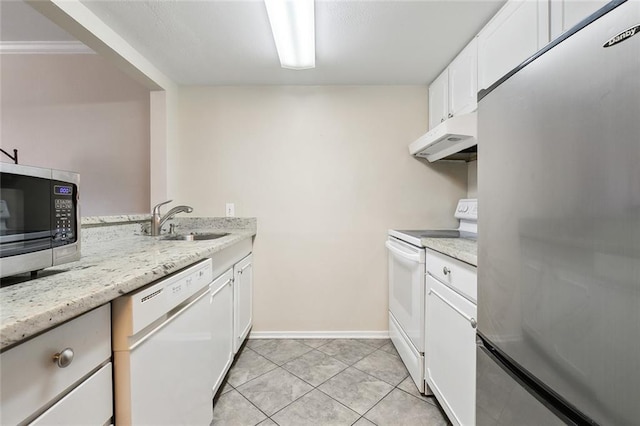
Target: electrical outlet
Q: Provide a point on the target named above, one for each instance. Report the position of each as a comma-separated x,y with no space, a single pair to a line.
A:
230,210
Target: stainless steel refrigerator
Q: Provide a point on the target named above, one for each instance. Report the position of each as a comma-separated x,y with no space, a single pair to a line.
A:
559,231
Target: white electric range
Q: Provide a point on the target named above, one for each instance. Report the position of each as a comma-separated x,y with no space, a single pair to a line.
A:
407,286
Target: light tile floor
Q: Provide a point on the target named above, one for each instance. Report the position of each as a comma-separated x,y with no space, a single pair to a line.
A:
322,382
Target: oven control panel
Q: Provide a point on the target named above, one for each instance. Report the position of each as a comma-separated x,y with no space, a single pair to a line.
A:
467,209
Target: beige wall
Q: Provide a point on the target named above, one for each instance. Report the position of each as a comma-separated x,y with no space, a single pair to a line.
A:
472,179
80,113
327,172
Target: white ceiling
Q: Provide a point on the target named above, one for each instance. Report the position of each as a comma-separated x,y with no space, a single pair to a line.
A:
229,42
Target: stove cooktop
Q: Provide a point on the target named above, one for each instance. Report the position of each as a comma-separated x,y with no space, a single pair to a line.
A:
466,212
415,236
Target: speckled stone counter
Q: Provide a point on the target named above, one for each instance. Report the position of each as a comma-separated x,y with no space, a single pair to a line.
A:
463,249
116,259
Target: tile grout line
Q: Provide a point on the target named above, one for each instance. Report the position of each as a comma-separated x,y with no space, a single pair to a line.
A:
317,387
268,371
381,379
353,366
314,387
252,404
300,397
374,405
345,406
425,400
408,375
257,408
311,384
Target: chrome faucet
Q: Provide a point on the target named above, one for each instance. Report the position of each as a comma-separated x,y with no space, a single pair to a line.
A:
157,221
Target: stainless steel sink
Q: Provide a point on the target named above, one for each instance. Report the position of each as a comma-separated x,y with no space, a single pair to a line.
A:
194,236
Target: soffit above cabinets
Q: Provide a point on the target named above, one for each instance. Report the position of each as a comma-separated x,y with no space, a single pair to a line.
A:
25,31
19,22
357,42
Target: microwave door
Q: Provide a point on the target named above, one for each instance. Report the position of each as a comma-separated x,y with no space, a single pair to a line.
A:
25,214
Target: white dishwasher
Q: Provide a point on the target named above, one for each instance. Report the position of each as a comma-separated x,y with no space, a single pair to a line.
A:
162,351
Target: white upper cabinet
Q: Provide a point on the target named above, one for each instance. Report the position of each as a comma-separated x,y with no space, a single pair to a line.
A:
567,13
455,91
463,80
439,99
517,31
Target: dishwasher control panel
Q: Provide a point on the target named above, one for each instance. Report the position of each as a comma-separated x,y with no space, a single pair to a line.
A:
196,279
154,301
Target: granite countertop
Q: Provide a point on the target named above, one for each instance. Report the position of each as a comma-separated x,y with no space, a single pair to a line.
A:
464,249
116,259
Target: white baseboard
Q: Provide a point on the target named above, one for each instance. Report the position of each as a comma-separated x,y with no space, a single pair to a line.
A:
319,334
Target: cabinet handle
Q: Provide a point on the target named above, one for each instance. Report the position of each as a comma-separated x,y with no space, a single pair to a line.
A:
450,115
471,320
442,120
63,359
446,270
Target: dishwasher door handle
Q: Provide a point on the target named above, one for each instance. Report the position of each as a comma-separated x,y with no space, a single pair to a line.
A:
204,292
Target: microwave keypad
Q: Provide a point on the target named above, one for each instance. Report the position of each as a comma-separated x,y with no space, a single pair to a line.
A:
64,219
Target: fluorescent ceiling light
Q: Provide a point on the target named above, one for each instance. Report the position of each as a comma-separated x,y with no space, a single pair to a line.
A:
293,28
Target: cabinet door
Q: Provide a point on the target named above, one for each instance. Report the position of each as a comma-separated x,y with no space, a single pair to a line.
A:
31,379
450,352
222,337
567,13
439,99
516,32
90,403
463,80
243,296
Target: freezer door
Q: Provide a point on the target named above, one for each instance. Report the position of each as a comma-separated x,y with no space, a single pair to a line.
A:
502,401
559,234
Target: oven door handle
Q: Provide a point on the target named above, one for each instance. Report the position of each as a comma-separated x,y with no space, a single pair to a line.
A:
408,256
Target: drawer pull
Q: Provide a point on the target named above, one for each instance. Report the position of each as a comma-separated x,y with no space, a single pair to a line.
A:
473,322
63,359
446,270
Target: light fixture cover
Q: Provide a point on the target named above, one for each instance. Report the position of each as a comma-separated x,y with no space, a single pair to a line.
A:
293,28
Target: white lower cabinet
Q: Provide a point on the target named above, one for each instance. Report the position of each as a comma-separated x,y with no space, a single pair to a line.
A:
231,306
60,376
450,352
243,300
88,404
221,301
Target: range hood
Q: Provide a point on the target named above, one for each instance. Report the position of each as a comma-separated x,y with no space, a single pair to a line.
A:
448,138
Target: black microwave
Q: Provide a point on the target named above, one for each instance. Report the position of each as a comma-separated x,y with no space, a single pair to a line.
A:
39,218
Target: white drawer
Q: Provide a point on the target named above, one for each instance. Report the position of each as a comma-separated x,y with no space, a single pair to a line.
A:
31,379
458,275
91,403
